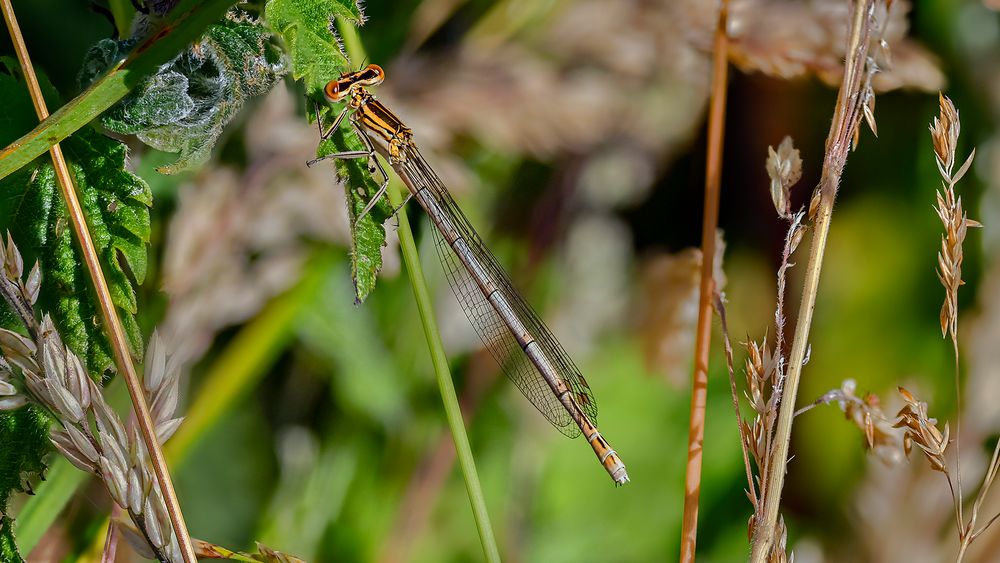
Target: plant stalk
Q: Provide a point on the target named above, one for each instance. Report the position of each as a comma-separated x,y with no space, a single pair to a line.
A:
847,115
703,336
116,334
440,360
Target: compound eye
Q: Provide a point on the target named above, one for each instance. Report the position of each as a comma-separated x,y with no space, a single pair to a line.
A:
374,75
332,91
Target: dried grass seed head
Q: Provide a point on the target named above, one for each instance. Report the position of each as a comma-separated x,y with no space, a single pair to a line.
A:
944,133
784,167
945,130
865,412
922,430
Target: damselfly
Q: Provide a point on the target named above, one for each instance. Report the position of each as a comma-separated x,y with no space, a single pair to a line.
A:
514,334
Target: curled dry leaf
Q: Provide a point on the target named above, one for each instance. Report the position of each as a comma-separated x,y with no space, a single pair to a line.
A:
265,554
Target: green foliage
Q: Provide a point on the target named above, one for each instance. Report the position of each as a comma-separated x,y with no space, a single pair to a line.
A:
368,234
8,549
185,106
186,23
116,204
314,48
316,58
25,437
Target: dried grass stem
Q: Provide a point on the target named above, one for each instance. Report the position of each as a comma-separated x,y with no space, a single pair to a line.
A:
847,115
703,335
112,322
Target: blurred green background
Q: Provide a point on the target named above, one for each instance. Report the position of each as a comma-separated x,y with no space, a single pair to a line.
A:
573,135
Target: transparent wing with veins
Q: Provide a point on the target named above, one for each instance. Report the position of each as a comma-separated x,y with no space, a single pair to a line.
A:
491,328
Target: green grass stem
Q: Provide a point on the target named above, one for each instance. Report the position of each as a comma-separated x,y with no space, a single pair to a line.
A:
440,360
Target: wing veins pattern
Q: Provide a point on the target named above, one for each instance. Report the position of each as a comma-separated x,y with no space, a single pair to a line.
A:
490,326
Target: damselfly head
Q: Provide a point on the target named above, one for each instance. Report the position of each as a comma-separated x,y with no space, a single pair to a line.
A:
337,90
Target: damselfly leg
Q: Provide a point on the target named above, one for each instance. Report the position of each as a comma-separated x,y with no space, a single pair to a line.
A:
369,154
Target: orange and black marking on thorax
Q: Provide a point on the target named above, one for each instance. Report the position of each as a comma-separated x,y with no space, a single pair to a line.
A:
369,113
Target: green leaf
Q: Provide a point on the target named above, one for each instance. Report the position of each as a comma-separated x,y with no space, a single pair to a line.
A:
116,204
8,549
368,233
307,28
24,435
181,26
185,106
318,57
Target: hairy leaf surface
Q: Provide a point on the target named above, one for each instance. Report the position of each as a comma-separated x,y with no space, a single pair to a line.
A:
8,549
314,48
24,434
186,105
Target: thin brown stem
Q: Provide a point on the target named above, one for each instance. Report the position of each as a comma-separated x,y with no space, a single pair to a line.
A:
710,220
112,323
991,475
846,119
958,435
955,501
968,532
964,530
986,526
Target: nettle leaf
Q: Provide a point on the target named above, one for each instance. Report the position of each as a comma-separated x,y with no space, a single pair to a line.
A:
116,204
24,434
317,57
24,441
368,233
8,548
186,105
314,48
